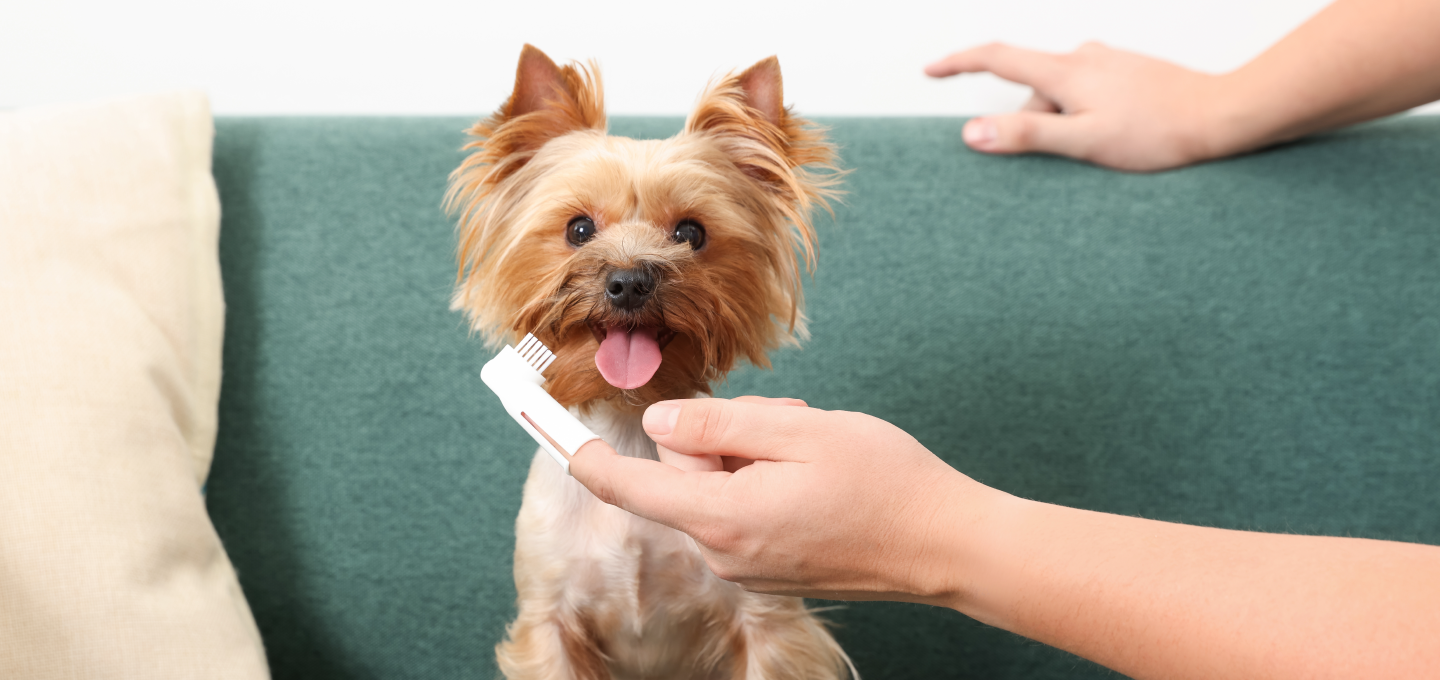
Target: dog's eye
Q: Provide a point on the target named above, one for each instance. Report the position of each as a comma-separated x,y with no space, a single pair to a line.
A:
690,232
581,229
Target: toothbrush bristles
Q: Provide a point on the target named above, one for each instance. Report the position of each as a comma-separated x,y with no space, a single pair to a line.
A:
535,353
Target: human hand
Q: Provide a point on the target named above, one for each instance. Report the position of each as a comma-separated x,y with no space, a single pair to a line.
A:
783,498
1107,106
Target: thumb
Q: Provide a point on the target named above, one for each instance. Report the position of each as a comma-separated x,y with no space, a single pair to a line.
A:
1028,131
757,429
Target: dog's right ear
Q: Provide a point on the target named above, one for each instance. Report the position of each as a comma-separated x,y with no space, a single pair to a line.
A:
542,86
548,101
554,100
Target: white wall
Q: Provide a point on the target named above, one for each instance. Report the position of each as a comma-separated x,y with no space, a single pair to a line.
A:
458,57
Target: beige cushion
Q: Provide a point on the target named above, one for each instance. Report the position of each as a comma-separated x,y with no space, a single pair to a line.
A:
111,320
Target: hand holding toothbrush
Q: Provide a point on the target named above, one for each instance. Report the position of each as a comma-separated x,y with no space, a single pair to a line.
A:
809,502
846,506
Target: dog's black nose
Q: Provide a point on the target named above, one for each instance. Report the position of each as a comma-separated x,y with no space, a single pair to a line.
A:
628,289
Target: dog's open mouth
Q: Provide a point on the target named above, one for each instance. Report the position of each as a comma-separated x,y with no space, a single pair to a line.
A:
629,355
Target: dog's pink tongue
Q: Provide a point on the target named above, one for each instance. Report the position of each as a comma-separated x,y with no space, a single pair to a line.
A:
628,358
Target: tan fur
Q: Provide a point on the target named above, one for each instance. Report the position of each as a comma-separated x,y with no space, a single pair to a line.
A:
604,594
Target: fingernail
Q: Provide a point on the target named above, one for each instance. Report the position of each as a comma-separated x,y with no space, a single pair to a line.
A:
980,132
660,417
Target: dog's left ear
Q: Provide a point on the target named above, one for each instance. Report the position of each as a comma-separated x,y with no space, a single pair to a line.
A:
747,113
746,116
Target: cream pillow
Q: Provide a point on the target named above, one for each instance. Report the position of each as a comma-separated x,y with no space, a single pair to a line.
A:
111,320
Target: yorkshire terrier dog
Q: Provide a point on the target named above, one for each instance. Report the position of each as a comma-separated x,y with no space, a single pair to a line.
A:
650,268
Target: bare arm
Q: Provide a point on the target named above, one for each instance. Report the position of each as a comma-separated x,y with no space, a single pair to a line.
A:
845,506
1354,61
1159,600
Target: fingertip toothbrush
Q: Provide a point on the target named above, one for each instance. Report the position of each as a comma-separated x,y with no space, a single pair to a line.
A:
516,375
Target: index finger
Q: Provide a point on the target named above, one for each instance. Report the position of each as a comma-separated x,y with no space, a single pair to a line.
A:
1039,70
648,488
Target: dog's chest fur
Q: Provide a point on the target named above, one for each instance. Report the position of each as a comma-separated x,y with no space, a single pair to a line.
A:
628,581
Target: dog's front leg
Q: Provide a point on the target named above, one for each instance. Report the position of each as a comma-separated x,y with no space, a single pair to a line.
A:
547,646
550,640
784,641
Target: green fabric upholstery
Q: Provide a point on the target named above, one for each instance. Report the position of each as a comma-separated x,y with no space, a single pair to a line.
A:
1252,344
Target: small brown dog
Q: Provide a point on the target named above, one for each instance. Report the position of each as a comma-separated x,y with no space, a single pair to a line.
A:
650,268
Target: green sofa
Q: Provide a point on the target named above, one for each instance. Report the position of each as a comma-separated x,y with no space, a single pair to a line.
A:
1252,344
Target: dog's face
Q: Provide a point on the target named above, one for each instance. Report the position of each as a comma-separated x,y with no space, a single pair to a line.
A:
648,267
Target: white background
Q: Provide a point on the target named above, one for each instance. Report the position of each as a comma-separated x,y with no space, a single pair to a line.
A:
444,57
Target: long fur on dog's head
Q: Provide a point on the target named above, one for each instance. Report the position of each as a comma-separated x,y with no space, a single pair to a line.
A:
738,169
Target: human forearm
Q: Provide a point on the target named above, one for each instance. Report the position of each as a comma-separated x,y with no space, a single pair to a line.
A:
1155,599
1354,61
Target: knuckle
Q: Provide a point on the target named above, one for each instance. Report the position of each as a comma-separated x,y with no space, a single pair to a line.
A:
710,426
794,428
1021,132
990,50
601,486
1090,141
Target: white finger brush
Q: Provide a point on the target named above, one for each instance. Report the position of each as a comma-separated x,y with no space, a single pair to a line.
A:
516,376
